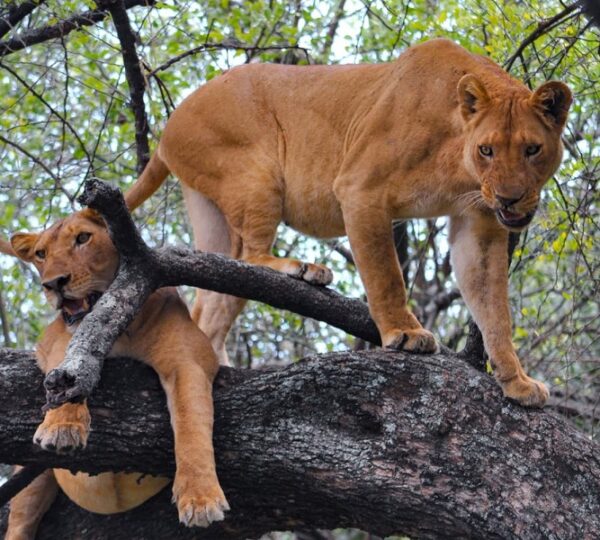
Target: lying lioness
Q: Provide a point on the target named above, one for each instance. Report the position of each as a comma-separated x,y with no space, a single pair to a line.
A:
334,150
77,262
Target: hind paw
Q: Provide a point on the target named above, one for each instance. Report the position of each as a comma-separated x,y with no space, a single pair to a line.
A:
315,274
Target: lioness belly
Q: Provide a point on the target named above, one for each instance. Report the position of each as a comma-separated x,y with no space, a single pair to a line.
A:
109,493
313,212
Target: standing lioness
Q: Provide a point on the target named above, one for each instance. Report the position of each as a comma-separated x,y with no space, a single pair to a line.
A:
334,150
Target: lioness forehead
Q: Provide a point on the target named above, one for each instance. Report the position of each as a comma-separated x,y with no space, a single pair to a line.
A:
514,119
68,227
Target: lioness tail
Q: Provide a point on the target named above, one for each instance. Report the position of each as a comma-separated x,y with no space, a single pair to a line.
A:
149,181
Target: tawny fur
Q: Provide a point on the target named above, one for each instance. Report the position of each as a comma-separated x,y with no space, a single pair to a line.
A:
335,150
162,336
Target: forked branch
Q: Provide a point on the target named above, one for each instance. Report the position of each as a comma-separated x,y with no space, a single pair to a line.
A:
143,270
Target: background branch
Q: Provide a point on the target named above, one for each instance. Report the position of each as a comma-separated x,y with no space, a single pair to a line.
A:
16,13
542,28
135,78
61,28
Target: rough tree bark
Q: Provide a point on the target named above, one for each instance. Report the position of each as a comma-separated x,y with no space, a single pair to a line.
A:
386,442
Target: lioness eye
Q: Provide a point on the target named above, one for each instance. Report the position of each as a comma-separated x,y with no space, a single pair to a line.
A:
82,238
40,253
486,151
532,149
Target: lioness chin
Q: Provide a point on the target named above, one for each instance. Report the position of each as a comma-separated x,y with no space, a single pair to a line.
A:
334,150
77,262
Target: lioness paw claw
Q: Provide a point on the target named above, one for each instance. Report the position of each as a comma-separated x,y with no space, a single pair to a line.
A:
526,391
200,510
61,438
417,340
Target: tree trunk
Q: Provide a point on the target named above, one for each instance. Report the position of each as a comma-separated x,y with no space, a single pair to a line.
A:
382,441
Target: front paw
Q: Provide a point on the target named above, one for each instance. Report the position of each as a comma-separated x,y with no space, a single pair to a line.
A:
525,391
65,429
416,340
199,503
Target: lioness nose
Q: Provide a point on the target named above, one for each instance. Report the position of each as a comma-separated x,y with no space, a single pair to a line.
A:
506,202
56,284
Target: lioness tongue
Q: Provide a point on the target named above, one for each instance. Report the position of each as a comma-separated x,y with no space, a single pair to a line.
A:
73,306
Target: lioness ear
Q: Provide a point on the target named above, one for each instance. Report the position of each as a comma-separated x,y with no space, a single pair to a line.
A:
472,96
23,244
92,215
553,100
6,247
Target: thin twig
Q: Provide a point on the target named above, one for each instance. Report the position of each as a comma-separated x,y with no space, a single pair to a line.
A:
17,14
543,27
39,162
223,46
49,107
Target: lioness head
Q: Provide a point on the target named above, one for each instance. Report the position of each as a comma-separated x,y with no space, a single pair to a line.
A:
76,261
512,144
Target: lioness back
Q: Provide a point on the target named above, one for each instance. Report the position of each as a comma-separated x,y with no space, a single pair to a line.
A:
253,111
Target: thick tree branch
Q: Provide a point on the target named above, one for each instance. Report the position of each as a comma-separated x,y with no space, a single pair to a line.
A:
386,442
60,29
592,10
332,29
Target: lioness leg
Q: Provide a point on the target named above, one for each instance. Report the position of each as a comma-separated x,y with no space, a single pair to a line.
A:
480,261
256,224
186,365
377,262
29,506
67,427
214,313
248,235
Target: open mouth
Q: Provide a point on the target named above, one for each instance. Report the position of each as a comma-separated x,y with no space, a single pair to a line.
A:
514,220
75,309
